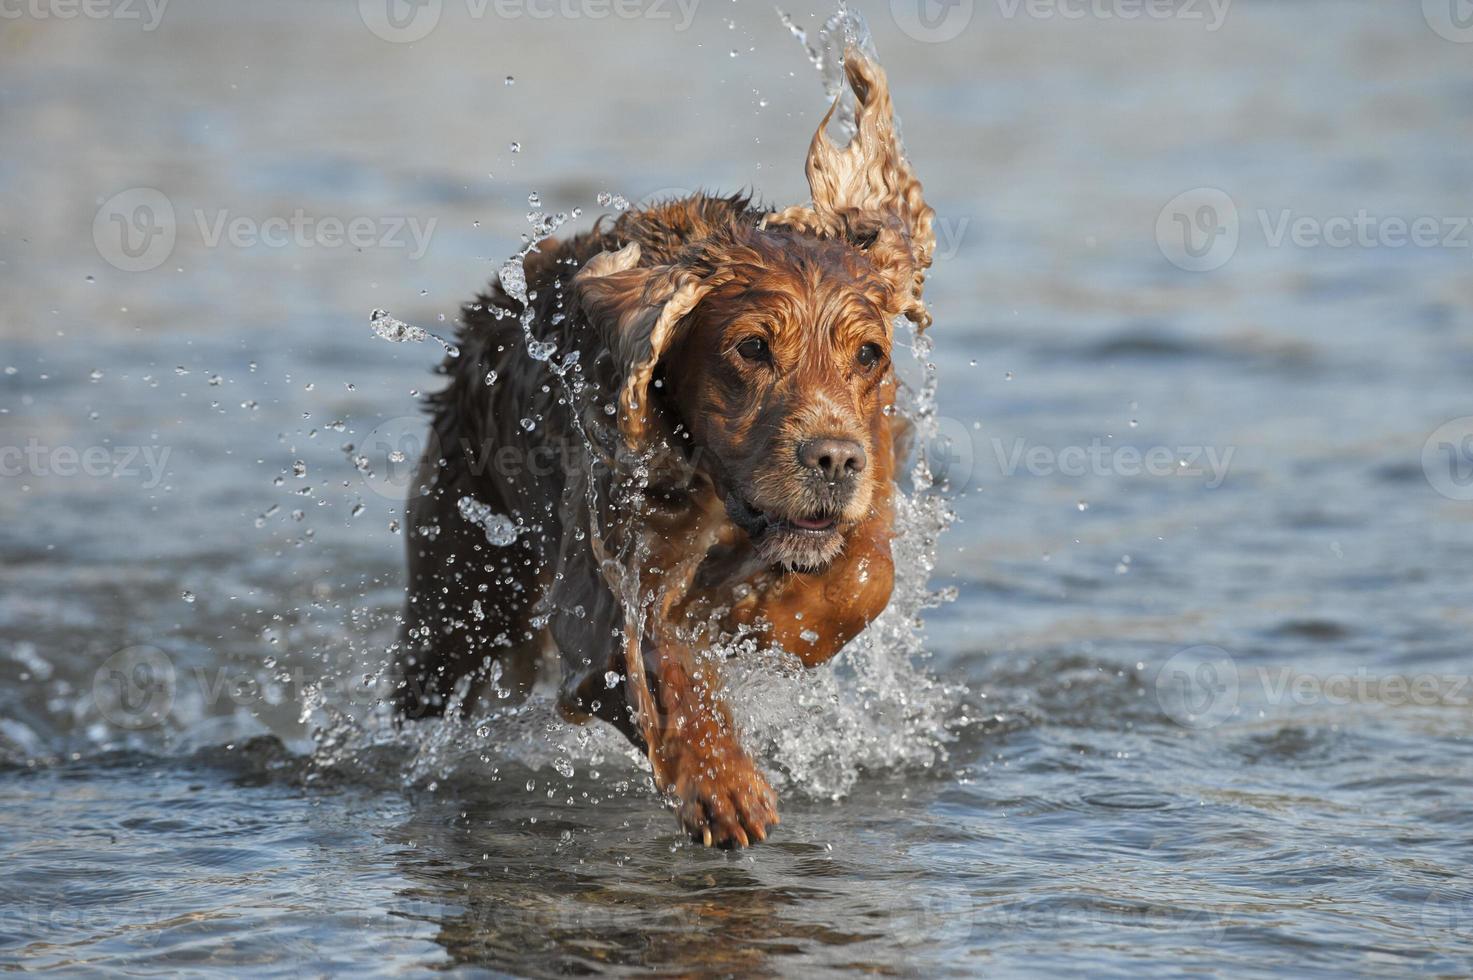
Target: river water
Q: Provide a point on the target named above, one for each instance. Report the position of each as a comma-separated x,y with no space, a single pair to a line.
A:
1192,694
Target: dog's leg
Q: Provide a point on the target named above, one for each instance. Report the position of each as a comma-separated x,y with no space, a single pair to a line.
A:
722,799
671,692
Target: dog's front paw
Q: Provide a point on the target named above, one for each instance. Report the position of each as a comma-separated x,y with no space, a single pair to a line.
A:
722,799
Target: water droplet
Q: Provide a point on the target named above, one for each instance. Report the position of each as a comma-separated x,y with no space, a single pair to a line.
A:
393,329
500,530
510,81
299,469
1083,505
612,679
187,596
516,147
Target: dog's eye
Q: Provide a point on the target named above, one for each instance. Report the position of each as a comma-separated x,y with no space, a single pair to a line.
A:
869,355
754,349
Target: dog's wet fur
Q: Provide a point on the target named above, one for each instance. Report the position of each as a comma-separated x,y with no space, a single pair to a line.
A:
717,460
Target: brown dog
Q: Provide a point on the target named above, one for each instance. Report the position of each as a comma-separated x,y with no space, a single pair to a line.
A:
700,446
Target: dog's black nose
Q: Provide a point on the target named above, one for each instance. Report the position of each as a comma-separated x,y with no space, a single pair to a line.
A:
834,458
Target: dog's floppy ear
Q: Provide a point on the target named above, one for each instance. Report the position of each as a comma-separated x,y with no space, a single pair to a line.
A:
865,192
638,311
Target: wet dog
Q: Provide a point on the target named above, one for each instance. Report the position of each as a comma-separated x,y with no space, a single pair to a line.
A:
679,429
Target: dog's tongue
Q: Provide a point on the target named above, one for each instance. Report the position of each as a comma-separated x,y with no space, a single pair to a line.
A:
812,524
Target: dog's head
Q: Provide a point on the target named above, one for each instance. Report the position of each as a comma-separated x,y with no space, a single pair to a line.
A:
764,349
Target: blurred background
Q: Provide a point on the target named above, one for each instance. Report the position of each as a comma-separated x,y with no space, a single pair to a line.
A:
1204,333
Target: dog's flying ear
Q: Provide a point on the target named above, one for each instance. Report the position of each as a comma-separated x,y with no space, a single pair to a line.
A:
637,310
866,193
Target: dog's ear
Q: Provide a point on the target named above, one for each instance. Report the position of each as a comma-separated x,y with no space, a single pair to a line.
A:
866,193
638,311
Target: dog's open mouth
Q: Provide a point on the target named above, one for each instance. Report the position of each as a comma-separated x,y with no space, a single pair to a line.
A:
757,522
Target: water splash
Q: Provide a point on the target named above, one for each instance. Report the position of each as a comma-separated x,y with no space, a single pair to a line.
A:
844,29
394,330
500,530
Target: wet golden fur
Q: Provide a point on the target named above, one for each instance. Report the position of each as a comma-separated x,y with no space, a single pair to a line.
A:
718,458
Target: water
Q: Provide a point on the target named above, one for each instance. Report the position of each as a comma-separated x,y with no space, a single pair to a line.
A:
1212,721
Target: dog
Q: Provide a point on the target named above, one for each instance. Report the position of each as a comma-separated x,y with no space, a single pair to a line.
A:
679,430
